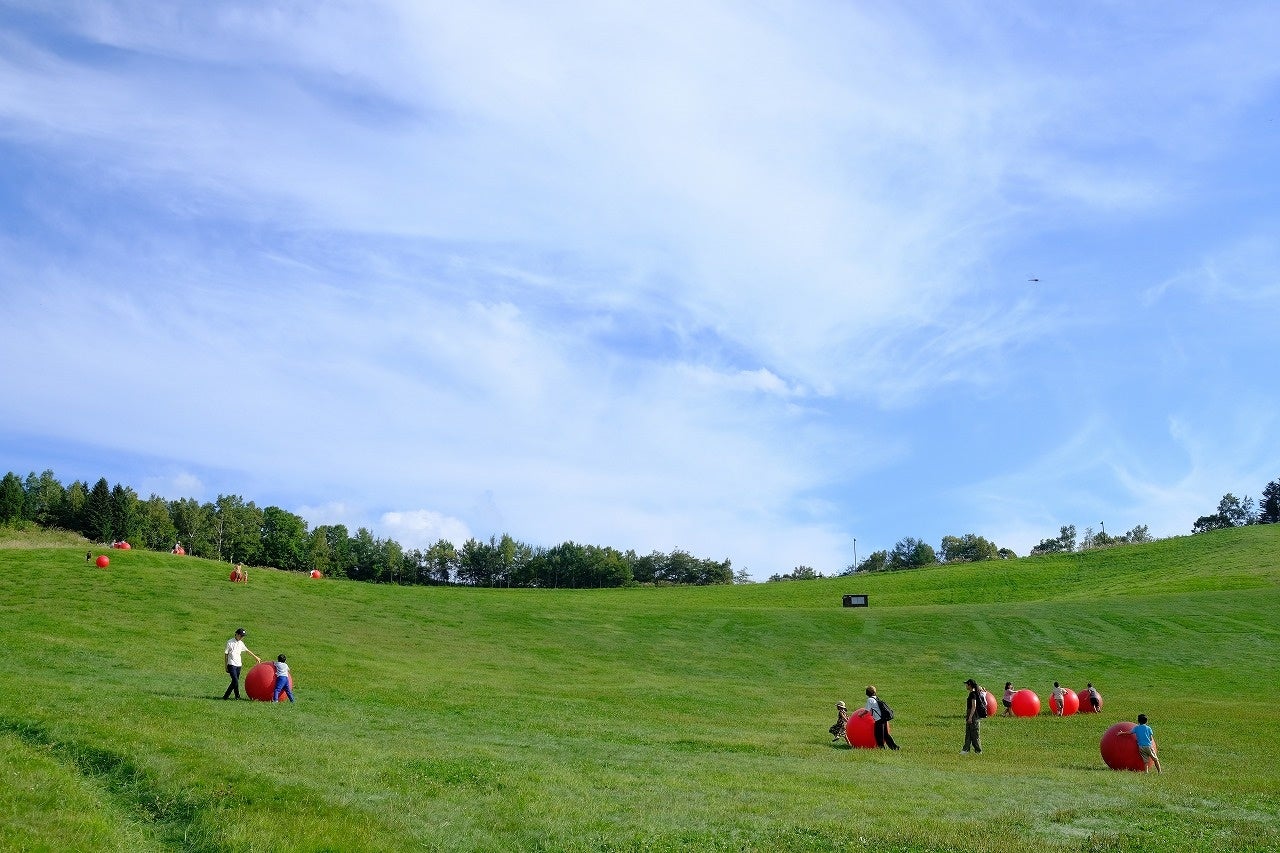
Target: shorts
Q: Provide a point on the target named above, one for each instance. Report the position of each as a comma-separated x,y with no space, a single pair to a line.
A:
1146,752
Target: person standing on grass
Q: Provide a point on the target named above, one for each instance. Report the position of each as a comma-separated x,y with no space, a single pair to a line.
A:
1146,744
972,723
1095,701
236,648
837,729
1007,701
282,680
880,713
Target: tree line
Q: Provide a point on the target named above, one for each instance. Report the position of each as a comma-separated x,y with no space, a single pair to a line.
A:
239,531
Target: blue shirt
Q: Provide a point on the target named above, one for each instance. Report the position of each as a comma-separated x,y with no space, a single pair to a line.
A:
1144,734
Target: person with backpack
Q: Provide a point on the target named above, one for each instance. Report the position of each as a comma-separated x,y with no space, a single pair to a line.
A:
882,714
975,708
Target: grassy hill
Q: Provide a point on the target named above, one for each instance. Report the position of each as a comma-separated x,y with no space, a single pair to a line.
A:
642,719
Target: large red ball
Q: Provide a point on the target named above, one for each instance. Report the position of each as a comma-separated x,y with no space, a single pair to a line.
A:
1086,707
1070,703
260,683
860,730
1025,703
1120,749
991,703
103,561
315,573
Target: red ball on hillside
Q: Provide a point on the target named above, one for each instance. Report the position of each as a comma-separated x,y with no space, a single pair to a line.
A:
860,730
260,683
315,573
1086,707
103,561
1120,749
1070,703
1025,703
991,703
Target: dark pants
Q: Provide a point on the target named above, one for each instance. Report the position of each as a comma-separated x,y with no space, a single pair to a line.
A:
234,686
883,738
972,733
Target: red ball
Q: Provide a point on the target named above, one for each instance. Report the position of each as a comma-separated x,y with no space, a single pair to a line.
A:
860,730
1070,703
991,703
1026,703
315,573
1120,749
260,683
1086,707
103,561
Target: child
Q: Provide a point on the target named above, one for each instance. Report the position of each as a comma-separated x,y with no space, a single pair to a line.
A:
1057,698
282,680
838,730
1008,699
1146,744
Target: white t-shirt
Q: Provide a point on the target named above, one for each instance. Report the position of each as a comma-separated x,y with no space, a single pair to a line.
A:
235,648
874,707
282,669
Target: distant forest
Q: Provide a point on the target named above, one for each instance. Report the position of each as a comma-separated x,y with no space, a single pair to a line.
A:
237,531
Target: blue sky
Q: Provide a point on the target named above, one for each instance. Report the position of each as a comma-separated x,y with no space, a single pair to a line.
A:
749,281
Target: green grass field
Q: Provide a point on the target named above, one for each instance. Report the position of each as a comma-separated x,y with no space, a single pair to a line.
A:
638,719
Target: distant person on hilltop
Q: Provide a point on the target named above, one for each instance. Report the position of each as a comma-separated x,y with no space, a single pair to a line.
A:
235,648
838,731
1007,700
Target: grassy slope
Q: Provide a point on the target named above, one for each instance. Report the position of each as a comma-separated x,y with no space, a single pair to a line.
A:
638,719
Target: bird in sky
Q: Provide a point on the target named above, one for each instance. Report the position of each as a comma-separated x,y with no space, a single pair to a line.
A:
1033,279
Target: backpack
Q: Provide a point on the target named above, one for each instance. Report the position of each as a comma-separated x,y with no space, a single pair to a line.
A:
980,710
886,713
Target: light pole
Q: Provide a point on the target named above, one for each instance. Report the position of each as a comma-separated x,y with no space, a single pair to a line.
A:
855,553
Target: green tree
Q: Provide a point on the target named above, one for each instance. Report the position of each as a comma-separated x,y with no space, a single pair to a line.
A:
125,514
97,513
284,538
194,524
441,561
911,553
13,499
44,499
876,561
1269,506
72,517
156,529
969,548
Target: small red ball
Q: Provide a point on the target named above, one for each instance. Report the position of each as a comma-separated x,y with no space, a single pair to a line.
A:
103,561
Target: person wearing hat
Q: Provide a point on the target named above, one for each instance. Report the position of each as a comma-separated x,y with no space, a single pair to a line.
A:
235,648
838,730
972,724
